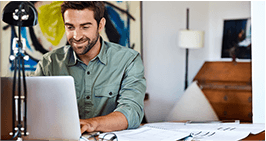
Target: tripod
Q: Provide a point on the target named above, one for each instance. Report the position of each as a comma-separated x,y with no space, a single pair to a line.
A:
19,101
19,13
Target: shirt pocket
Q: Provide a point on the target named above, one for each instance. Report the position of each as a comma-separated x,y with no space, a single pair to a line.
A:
109,91
105,99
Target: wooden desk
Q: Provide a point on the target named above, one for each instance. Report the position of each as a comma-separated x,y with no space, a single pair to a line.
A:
260,136
250,137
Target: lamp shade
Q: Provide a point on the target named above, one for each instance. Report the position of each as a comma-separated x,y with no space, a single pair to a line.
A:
191,39
10,10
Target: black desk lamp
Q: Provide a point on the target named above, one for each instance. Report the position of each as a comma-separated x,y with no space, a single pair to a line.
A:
19,13
190,39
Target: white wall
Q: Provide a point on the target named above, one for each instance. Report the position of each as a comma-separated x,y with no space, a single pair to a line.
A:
258,63
218,12
164,61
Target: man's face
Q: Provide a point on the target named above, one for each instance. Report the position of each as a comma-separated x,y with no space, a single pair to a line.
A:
81,30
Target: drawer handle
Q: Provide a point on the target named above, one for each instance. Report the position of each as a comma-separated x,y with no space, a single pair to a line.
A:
250,115
225,98
249,99
225,113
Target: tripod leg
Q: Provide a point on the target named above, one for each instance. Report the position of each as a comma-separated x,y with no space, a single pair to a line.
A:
13,96
25,99
19,96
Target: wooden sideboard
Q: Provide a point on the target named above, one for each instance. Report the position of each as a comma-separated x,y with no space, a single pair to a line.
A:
228,88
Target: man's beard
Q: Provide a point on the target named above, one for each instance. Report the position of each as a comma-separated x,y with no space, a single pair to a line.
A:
87,48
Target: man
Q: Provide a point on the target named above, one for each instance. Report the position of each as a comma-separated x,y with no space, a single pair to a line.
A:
109,79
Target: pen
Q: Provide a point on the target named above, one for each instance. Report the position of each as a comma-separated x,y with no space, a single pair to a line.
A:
199,122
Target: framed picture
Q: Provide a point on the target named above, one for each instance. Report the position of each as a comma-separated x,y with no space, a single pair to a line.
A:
123,26
236,41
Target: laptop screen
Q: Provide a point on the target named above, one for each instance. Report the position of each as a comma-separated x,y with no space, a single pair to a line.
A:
52,111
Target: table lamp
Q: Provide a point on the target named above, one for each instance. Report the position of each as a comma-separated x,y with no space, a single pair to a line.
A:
190,39
21,14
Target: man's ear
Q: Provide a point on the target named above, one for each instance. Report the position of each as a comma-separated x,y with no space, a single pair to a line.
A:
102,24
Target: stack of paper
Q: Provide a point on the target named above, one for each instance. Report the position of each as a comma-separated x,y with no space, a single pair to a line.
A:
172,131
212,131
146,133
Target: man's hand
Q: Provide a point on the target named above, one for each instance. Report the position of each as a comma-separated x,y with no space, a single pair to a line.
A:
86,125
111,122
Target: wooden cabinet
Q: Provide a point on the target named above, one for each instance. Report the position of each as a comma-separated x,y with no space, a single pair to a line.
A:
228,88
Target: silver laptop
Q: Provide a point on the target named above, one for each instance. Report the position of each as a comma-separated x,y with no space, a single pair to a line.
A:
52,108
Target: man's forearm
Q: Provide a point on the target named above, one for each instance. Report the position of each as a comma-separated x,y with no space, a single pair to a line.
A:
112,122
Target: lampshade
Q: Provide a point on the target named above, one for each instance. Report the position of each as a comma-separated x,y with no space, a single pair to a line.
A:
28,10
191,39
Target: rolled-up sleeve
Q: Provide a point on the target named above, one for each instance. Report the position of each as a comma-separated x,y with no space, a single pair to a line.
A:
132,92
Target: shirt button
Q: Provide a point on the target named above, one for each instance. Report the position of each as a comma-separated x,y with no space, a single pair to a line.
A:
88,72
110,93
88,97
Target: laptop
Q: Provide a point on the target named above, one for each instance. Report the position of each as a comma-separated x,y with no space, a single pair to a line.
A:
52,112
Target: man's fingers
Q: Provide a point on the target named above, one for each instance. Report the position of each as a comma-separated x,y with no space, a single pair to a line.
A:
82,121
86,126
83,128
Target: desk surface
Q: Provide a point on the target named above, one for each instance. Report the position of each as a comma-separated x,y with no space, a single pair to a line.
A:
260,136
251,137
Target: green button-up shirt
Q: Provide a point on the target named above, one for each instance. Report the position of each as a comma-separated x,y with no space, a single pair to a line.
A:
112,81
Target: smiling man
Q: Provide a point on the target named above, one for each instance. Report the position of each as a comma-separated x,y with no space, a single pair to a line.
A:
109,78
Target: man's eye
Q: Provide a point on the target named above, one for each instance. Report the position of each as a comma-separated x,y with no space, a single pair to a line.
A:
85,27
70,27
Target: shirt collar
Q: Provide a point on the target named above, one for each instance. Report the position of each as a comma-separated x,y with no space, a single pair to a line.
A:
72,58
102,55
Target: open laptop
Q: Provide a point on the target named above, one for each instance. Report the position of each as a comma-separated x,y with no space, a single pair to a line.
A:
51,106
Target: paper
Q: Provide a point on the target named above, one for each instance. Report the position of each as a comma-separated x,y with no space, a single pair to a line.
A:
212,131
219,135
172,131
254,128
147,133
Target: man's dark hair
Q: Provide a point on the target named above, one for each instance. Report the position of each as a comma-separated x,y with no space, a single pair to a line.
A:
96,6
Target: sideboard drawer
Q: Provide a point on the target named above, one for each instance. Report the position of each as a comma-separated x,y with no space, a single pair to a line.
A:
233,97
242,112
231,105
228,88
